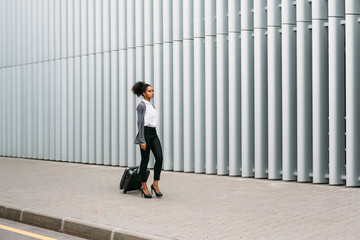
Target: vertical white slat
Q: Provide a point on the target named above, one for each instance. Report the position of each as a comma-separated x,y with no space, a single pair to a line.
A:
6,27
304,91
114,88
157,14
70,33
2,96
92,82
131,79
210,87
46,109
28,24
9,111
13,112
107,82
139,39
2,22
41,121
336,92
168,86
77,108
84,109
188,97
222,87
99,82
8,30
34,89
234,88
29,104
71,108
21,30
274,90
3,109
139,57
64,81
260,89
57,26
11,47
123,90
288,72
320,88
51,29
64,109
148,31
64,28
178,86
131,108
84,38
352,38
91,27
18,29
114,23
106,25
10,114
9,108
45,20
40,30
12,33
247,90
19,113
29,28
99,26
52,107
99,98
16,22
77,28
36,13
92,106
4,39
2,105
58,102
199,86
107,107
5,118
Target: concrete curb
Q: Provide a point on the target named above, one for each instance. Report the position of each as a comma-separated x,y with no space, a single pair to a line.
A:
72,226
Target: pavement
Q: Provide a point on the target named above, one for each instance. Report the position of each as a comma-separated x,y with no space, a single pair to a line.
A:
85,201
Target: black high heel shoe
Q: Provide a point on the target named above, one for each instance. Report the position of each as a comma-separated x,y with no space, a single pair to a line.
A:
159,194
143,194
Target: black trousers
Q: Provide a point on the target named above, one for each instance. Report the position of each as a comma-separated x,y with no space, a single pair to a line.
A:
153,144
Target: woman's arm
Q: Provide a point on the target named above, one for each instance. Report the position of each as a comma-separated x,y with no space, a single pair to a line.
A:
140,137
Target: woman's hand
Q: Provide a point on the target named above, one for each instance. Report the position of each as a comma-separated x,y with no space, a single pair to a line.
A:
143,146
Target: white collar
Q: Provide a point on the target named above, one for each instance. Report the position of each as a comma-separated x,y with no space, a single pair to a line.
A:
146,101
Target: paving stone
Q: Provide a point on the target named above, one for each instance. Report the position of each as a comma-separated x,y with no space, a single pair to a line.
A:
194,206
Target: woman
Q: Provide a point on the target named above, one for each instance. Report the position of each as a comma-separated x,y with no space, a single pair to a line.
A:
147,137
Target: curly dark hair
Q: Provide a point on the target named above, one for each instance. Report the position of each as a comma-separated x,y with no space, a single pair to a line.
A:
139,88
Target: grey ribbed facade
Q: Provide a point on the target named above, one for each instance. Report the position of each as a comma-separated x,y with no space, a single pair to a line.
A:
250,88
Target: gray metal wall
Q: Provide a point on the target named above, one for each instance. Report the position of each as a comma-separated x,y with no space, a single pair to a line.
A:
250,88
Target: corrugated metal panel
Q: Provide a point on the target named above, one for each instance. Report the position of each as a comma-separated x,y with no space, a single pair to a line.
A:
249,88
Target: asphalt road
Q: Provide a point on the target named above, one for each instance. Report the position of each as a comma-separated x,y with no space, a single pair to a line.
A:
19,231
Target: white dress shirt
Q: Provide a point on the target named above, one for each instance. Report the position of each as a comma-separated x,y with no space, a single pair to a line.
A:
150,118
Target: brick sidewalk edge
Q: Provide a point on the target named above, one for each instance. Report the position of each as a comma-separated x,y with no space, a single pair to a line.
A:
72,226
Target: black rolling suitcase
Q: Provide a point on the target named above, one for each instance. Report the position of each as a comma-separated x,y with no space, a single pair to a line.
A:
130,180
